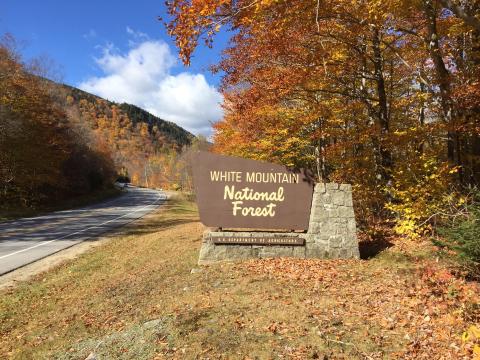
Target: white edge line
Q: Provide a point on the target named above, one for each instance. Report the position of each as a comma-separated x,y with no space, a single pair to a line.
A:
77,232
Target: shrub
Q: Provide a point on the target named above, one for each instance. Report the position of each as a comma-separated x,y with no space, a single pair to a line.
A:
421,193
463,236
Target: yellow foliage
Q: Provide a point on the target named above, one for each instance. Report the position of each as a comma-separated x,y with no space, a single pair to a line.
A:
472,337
420,191
476,351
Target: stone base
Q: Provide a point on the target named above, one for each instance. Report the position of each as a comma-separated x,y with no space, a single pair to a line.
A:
331,233
211,253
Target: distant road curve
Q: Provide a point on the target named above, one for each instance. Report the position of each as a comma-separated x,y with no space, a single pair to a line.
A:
26,240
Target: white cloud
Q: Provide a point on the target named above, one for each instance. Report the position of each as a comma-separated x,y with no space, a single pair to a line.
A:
136,36
143,77
90,34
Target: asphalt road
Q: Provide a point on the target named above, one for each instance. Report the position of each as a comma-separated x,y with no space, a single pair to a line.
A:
26,240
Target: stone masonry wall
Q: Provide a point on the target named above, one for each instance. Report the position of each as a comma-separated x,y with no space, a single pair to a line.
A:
331,232
332,227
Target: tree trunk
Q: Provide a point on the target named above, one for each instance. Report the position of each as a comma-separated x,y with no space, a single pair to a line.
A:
443,80
382,122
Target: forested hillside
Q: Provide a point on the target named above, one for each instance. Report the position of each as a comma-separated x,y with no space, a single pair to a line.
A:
171,132
58,142
143,147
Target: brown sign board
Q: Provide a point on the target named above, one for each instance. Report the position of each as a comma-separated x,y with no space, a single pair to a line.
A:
233,192
255,240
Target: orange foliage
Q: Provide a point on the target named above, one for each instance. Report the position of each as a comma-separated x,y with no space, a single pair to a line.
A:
380,94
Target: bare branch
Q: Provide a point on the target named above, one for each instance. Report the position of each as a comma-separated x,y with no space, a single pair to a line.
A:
462,14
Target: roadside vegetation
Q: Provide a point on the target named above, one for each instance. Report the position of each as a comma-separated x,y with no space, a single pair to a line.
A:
142,296
460,236
46,157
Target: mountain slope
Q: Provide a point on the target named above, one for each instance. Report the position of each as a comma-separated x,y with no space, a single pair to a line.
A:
142,146
170,130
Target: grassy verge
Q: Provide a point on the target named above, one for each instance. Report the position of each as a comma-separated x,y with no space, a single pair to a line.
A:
7,213
141,296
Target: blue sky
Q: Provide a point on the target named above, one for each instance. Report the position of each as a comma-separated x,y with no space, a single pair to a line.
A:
119,50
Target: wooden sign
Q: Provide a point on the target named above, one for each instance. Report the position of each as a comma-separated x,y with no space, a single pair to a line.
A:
239,193
255,240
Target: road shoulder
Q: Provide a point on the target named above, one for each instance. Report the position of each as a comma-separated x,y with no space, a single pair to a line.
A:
25,273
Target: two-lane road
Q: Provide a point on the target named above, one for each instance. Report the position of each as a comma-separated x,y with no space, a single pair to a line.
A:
26,240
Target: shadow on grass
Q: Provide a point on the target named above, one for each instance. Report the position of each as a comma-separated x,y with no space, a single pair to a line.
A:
176,212
154,226
371,248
